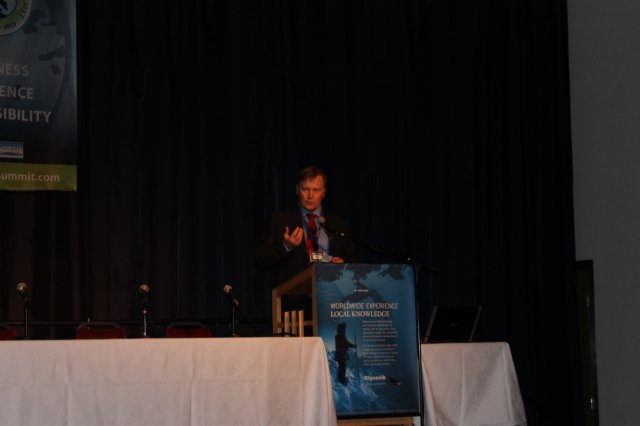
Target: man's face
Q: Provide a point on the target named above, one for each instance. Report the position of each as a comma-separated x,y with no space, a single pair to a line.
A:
311,192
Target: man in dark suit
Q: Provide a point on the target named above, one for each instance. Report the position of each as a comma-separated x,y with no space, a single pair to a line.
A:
294,237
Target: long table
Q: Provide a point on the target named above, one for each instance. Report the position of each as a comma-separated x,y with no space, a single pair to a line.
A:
470,384
220,381
239,381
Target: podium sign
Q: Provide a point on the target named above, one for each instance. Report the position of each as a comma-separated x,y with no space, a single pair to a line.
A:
366,316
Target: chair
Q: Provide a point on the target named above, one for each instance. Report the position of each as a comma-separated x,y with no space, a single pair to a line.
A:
7,333
100,330
187,329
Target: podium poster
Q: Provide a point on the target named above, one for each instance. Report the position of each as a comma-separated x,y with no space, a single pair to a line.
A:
38,100
367,320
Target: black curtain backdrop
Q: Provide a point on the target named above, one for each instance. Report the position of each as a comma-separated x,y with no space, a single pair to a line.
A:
443,127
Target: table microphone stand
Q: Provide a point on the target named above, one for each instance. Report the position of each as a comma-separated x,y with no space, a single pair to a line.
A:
233,321
26,304
23,291
145,318
235,304
144,291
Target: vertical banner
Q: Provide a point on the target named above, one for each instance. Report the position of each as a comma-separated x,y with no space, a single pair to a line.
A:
38,95
367,320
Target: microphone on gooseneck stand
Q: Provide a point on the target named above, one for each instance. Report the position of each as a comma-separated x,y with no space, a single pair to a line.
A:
23,291
323,222
375,248
228,290
144,291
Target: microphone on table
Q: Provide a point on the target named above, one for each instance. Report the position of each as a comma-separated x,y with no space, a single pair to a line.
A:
228,290
144,290
23,290
323,222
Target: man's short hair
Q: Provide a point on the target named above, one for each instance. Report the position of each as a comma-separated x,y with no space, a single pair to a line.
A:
310,172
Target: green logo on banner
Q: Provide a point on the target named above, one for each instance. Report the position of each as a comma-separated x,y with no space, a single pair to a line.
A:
13,13
38,177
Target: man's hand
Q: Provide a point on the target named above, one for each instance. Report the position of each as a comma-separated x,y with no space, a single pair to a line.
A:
293,239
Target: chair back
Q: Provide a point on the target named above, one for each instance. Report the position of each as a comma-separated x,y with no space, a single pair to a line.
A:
187,329
100,330
7,333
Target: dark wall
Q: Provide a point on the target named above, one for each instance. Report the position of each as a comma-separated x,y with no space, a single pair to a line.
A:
443,128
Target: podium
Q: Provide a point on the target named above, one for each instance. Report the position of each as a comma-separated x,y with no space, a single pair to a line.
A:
302,284
366,317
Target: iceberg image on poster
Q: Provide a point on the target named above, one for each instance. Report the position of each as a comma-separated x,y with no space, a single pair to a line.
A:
367,320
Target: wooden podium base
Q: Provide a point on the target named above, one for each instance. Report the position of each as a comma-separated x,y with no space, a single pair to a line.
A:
389,421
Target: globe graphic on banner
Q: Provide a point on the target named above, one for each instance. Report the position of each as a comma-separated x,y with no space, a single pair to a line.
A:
6,7
38,60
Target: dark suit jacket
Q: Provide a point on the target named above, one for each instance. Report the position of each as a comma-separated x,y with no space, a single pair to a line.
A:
271,254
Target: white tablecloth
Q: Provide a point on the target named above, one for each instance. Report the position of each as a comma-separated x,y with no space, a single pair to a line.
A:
470,384
216,381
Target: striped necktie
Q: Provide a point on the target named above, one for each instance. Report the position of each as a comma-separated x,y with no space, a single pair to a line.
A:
312,231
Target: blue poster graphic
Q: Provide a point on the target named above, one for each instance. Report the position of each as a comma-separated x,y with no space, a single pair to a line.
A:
38,99
367,320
